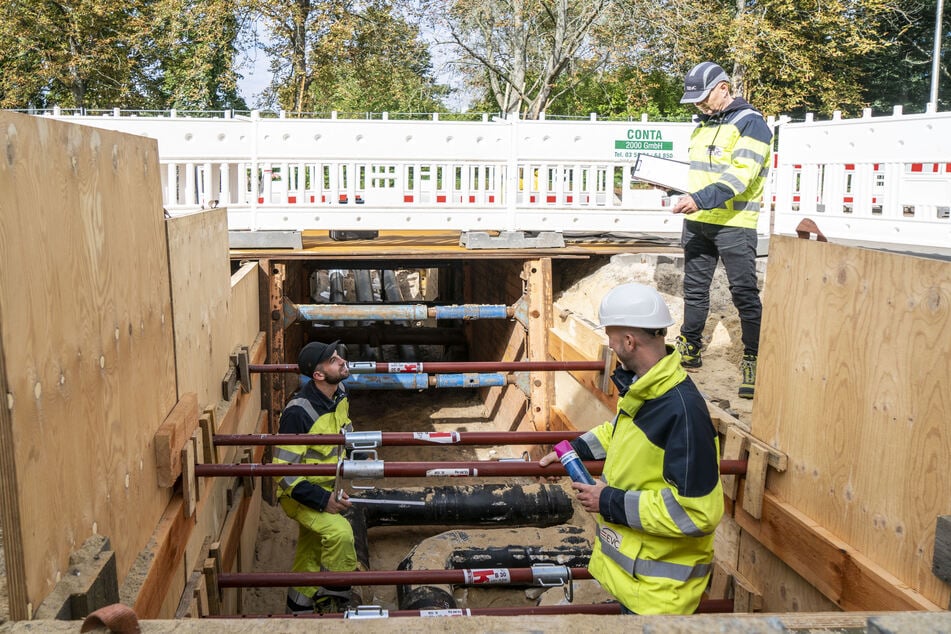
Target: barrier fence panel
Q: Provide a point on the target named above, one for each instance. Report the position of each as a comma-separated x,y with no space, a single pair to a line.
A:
871,179
882,179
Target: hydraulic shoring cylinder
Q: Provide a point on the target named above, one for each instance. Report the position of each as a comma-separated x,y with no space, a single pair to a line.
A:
445,367
373,469
424,381
392,312
371,439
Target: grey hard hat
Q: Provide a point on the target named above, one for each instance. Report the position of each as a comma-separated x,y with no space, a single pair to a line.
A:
701,79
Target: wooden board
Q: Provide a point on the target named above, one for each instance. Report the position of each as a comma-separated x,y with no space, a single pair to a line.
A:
853,387
200,274
86,340
838,571
783,590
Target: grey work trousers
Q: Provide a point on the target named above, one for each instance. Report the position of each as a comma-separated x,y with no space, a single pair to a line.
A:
705,243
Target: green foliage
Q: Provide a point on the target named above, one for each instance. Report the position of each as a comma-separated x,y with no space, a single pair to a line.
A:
131,54
374,62
199,54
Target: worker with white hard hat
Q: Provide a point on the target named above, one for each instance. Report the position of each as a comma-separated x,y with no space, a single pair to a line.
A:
659,498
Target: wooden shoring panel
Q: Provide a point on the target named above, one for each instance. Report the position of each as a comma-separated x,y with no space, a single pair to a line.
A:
87,343
175,548
200,272
853,387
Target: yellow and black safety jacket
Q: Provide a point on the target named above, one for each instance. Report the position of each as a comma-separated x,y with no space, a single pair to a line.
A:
729,162
311,412
664,499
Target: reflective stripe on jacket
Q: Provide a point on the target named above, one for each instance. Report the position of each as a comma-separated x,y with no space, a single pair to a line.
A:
664,498
729,163
311,412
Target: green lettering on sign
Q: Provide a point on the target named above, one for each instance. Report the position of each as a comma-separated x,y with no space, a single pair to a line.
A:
644,146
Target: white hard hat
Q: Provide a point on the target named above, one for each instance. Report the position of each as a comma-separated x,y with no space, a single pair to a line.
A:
636,306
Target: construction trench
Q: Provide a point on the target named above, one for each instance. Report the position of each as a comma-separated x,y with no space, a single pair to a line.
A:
131,342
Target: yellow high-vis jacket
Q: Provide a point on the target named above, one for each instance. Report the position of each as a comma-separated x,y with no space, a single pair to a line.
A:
664,499
730,154
311,412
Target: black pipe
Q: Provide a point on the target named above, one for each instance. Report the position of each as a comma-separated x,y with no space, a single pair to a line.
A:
477,505
561,545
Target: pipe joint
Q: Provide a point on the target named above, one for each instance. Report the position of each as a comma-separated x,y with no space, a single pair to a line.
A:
362,469
363,440
553,575
364,612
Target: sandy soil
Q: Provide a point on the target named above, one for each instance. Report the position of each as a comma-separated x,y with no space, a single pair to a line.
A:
719,378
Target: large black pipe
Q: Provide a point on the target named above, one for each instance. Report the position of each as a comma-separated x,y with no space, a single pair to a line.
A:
504,548
482,505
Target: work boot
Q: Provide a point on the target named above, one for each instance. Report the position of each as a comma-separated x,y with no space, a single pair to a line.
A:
329,604
748,368
293,607
689,353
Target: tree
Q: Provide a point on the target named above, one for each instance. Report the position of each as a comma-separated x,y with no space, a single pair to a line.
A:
783,55
81,53
197,39
524,53
901,73
293,27
373,61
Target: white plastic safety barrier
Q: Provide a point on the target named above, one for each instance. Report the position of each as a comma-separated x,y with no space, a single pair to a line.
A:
871,179
879,179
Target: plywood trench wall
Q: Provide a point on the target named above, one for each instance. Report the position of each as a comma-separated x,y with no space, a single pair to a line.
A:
852,389
102,335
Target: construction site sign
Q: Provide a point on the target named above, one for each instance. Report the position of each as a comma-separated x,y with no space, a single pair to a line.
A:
643,141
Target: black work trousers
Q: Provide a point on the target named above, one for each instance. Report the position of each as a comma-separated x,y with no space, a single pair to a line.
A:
705,243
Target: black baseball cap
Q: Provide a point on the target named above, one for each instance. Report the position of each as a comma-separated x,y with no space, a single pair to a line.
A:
313,354
701,79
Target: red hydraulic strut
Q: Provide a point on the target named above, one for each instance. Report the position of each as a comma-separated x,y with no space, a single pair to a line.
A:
369,469
402,439
707,606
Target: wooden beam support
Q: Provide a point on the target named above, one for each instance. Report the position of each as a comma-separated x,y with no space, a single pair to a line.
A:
537,274
172,436
837,570
755,479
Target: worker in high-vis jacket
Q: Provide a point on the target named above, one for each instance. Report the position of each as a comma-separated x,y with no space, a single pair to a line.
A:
729,160
325,537
659,498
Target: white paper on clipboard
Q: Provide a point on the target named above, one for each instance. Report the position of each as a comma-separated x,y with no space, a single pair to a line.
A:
664,173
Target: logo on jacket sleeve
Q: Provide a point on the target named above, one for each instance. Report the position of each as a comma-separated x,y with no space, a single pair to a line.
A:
610,537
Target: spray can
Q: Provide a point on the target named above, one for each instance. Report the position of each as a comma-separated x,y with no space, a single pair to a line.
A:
573,465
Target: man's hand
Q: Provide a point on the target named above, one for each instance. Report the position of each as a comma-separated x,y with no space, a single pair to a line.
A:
685,205
338,503
589,495
547,460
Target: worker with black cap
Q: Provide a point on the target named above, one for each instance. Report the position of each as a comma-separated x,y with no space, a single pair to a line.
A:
325,537
729,161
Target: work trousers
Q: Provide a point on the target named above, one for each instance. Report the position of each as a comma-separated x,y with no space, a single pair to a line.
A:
705,243
324,542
